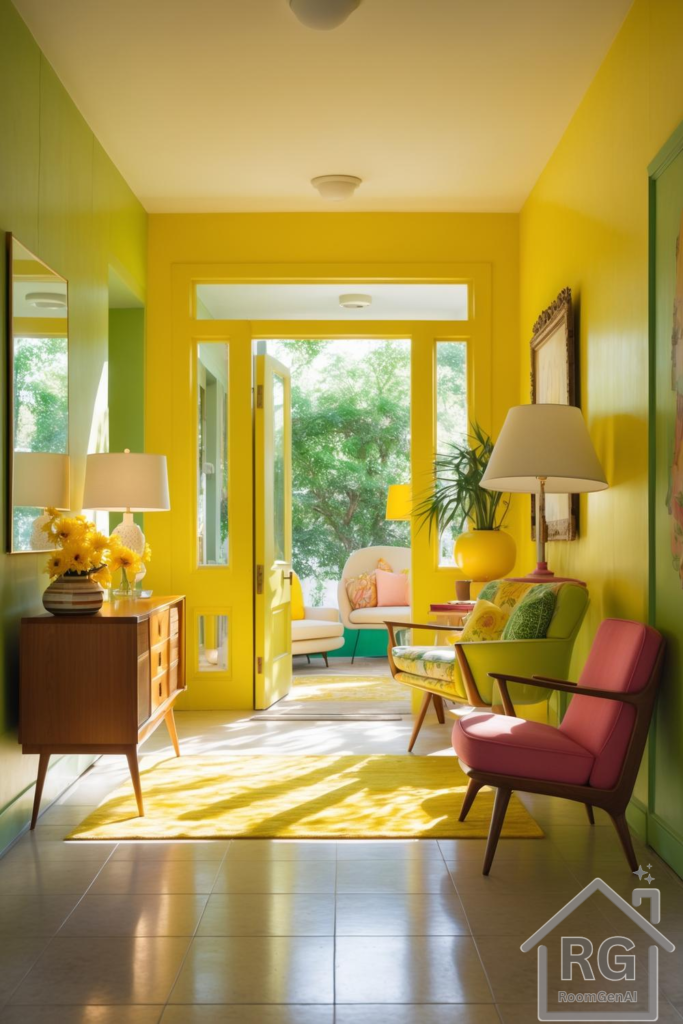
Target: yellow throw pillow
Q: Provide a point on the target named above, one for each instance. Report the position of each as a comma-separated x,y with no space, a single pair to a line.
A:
486,621
510,593
384,565
297,598
362,590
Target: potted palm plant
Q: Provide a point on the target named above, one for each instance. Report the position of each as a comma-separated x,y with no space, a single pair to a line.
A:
483,552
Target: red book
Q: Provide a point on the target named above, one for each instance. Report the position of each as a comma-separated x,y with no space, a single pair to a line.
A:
453,606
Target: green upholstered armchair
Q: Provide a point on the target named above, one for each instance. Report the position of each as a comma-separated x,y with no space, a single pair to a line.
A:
461,672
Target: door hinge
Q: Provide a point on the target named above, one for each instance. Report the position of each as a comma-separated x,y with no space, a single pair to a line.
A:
259,579
259,666
259,396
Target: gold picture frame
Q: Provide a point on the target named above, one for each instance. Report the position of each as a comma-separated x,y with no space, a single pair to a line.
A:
553,380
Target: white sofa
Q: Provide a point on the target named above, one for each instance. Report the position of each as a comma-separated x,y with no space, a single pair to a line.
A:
365,560
319,632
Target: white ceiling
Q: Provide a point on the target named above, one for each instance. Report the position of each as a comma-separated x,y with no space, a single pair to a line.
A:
222,105
321,302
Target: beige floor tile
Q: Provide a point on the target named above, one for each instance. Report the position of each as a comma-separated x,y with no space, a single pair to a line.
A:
393,876
41,914
109,971
387,849
250,970
437,969
511,973
180,876
27,852
18,954
525,1013
270,914
66,814
400,914
511,913
156,851
513,878
136,915
81,1015
276,876
50,877
466,850
248,1015
273,849
445,1014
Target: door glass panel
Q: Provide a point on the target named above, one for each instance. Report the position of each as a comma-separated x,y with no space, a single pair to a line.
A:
213,643
212,453
451,417
279,467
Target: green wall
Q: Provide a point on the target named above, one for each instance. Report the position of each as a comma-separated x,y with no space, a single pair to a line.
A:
63,199
127,379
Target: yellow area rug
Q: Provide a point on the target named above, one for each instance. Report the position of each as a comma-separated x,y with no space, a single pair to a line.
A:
351,688
306,797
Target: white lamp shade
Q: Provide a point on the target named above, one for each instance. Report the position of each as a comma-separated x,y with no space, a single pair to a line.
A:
550,441
40,480
126,482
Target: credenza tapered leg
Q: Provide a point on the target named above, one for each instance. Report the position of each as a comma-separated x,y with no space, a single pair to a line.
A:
40,782
132,755
172,732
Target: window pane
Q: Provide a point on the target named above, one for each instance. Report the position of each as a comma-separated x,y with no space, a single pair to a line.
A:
212,453
451,415
279,466
213,643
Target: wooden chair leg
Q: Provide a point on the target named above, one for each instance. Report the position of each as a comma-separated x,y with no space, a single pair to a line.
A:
327,664
43,763
355,646
500,806
472,790
132,755
308,658
419,720
438,707
625,839
170,725
589,812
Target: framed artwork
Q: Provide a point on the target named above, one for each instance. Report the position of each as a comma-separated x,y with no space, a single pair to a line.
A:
553,381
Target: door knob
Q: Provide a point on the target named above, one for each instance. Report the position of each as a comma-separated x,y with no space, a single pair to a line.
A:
287,576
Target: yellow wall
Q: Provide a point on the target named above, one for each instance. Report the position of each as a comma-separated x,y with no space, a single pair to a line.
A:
585,225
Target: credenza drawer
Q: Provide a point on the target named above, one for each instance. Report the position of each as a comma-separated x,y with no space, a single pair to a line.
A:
160,689
159,626
159,659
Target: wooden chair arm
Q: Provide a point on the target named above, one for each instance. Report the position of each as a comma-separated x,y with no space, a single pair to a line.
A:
561,685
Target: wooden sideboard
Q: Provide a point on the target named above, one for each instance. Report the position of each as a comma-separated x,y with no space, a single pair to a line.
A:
100,684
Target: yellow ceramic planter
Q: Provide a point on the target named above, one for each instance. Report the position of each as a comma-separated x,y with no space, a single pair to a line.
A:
484,555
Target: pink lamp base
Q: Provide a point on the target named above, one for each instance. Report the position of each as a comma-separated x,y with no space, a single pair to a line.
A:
542,574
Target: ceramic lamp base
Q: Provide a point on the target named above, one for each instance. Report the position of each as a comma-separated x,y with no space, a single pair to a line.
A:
130,534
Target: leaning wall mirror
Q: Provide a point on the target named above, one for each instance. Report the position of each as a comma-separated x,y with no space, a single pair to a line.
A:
38,400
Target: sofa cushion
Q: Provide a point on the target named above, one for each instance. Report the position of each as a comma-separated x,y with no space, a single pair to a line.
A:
393,589
512,746
531,617
314,629
486,621
429,662
378,616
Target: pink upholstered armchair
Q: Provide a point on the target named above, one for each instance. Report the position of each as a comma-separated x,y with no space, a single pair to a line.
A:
594,755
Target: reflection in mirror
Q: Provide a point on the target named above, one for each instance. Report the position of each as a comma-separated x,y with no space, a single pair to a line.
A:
213,643
212,453
39,397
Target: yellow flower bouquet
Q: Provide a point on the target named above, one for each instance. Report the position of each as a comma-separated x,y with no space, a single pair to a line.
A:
82,551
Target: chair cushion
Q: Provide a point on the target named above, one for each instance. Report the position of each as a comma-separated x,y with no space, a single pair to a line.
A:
622,658
512,746
314,629
362,590
393,589
486,621
378,616
531,617
429,662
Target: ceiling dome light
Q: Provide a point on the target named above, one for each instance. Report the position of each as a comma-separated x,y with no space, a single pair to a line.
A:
46,300
323,14
336,187
355,301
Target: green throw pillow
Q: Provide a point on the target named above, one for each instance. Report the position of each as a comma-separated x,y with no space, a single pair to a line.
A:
488,592
532,616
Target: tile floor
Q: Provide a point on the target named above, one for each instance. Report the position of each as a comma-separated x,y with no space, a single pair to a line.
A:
260,932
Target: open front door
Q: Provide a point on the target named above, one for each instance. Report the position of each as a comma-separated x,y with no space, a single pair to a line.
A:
273,531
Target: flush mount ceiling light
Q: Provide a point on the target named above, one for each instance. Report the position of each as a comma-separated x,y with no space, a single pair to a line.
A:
323,14
355,301
336,187
46,300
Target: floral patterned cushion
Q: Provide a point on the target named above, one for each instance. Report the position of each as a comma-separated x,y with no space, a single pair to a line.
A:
505,593
362,590
532,616
486,621
430,662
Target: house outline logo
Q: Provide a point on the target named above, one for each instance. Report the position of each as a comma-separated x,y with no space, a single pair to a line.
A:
619,1013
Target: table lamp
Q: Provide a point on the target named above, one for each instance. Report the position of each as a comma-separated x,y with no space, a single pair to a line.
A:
399,502
544,449
40,480
127,482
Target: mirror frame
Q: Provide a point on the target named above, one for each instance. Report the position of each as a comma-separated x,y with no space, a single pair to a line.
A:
11,239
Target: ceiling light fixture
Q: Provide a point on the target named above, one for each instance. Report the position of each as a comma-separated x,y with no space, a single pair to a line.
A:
355,301
336,187
323,14
46,300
